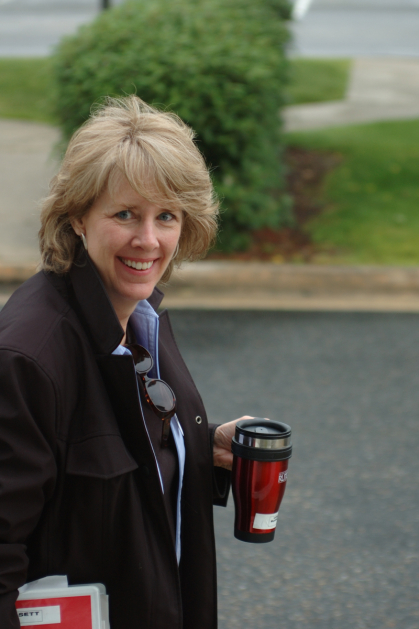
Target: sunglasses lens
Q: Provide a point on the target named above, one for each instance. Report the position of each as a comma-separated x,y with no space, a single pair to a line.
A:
144,361
161,395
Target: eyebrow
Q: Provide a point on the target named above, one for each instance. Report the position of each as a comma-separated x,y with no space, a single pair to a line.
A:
127,206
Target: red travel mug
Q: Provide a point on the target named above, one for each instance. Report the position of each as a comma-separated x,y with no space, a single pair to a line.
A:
261,450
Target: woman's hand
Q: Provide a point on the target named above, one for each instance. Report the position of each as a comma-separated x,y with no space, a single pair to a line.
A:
222,443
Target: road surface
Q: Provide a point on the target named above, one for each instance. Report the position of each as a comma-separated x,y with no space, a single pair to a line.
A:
346,551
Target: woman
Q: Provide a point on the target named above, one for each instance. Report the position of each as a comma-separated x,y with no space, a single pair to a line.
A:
91,486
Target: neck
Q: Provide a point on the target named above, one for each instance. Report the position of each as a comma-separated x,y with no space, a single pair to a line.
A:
123,318
123,310
124,323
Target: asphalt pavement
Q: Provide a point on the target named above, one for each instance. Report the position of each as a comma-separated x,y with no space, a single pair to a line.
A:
329,28
346,551
32,28
358,28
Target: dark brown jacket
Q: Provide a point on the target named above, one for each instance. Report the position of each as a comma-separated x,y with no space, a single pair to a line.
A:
79,489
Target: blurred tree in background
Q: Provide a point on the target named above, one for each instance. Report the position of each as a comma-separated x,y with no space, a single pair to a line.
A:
220,65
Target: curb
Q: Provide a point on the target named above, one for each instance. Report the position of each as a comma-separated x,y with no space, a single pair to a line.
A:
16,274
236,276
269,286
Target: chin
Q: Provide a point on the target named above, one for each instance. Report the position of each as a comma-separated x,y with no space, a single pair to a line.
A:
139,295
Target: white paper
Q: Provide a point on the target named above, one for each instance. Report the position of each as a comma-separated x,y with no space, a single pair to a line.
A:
47,583
265,521
38,616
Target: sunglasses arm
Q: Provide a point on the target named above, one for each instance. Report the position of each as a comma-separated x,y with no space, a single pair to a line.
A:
166,430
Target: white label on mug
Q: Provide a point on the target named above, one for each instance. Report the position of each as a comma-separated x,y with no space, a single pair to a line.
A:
39,615
282,478
265,521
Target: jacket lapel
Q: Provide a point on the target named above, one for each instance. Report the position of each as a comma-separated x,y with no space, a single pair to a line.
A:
94,306
105,332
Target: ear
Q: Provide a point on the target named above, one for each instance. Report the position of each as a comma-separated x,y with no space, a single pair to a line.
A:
78,225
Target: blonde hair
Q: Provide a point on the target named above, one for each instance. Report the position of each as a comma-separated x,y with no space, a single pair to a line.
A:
155,151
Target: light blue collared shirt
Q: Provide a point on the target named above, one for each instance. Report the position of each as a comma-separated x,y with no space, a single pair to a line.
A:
145,322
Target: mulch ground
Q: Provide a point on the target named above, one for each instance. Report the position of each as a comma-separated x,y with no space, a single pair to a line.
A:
306,173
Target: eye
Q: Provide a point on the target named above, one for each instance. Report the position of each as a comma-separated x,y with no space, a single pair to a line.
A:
166,216
124,215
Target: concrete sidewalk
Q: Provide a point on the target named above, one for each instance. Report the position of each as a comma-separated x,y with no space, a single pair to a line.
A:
380,89
26,166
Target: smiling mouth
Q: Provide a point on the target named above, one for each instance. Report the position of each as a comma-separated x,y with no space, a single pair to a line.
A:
139,266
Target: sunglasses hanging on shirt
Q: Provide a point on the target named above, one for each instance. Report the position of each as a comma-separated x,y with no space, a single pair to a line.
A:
157,393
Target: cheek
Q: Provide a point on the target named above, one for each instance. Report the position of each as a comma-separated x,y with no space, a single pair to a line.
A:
171,246
175,236
108,241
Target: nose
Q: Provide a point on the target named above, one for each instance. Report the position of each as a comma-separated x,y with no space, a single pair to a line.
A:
145,236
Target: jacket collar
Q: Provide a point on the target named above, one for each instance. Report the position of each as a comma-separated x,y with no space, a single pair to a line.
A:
156,298
95,307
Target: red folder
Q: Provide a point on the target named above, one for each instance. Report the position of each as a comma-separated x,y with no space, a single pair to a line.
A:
69,612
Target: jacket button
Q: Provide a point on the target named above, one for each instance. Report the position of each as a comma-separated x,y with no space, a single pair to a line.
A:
198,419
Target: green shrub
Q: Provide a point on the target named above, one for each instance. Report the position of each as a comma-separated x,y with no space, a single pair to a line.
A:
219,64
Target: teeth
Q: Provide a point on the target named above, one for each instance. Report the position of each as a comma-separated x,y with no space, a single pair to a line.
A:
139,266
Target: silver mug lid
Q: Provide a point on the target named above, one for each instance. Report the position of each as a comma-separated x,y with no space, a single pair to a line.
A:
263,433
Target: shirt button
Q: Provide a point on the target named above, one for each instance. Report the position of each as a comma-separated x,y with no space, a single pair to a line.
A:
198,419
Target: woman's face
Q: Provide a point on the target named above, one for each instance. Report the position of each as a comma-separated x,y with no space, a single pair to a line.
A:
131,242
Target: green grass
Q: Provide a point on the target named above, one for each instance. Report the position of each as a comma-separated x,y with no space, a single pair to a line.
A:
26,85
25,89
318,80
371,213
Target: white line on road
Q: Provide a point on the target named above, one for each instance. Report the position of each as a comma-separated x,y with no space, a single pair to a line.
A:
300,8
